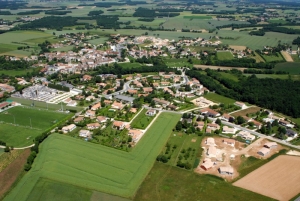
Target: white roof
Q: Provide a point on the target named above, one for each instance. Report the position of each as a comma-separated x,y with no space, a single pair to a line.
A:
270,144
264,150
228,169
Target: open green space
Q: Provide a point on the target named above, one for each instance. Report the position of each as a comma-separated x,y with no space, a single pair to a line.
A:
274,76
224,55
43,105
165,182
18,72
90,166
290,67
1,151
218,98
142,120
271,58
129,65
197,17
229,76
21,125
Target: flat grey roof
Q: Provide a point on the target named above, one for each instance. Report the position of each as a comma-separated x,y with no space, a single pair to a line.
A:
124,98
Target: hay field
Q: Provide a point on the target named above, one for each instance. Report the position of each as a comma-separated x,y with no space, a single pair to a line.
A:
287,56
278,179
95,167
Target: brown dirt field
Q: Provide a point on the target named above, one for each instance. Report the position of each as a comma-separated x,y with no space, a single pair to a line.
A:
237,47
9,175
246,111
218,67
278,179
287,56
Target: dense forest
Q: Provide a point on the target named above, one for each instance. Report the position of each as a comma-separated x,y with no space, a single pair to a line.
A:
275,94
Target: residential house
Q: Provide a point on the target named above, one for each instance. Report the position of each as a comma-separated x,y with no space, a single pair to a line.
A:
247,119
119,125
72,103
227,129
226,117
117,105
68,128
67,100
209,112
135,134
132,91
90,114
147,90
84,133
257,124
87,78
133,110
291,133
210,141
246,135
102,119
93,126
151,112
96,106
213,126
90,98
78,119
212,152
199,124
207,164
164,103
286,124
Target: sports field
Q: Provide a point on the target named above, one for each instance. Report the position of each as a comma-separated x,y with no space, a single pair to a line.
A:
95,167
278,179
21,125
165,182
224,55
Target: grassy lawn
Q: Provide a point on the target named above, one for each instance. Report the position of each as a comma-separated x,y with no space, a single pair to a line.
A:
18,72
270,58
291,67
258,58
142,120
90,166
224,55
170,183
218,98
22,134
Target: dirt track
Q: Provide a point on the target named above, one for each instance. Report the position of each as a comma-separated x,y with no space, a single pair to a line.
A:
278,179
9,175
287,56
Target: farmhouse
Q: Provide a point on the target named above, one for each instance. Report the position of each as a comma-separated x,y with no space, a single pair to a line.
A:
227,129
263,151
96,106
93,126
151,112
135,134
78,119
270,145
246,135
209,112
227,170
84,133
119,125
240,104
101,119
230,142
207,164
68,128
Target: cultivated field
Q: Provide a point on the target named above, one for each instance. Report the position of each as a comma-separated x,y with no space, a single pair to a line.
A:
290,67
165,182
287,56
224,55
218,98
22,134
218,67
238,47
278,179
244,112
90,166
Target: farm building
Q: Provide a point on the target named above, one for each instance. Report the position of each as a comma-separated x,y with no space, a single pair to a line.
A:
227,170
210,141
227,129
230,142
270,145
207,164
84,133
246,135
68,128
263,151
212,152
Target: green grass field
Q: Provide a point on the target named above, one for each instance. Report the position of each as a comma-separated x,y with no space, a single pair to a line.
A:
22,134
142,120
291,67
198,17
274,76
270,58
170,183
90,166
229,76
218,98
18,72
224,55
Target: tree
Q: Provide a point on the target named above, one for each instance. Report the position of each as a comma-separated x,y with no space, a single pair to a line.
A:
219,122
240,120
179,126
7,149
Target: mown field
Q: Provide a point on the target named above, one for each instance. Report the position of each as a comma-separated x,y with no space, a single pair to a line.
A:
291,67
224,55
165,182
218,98
142,120
89,166
18,72
19,126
